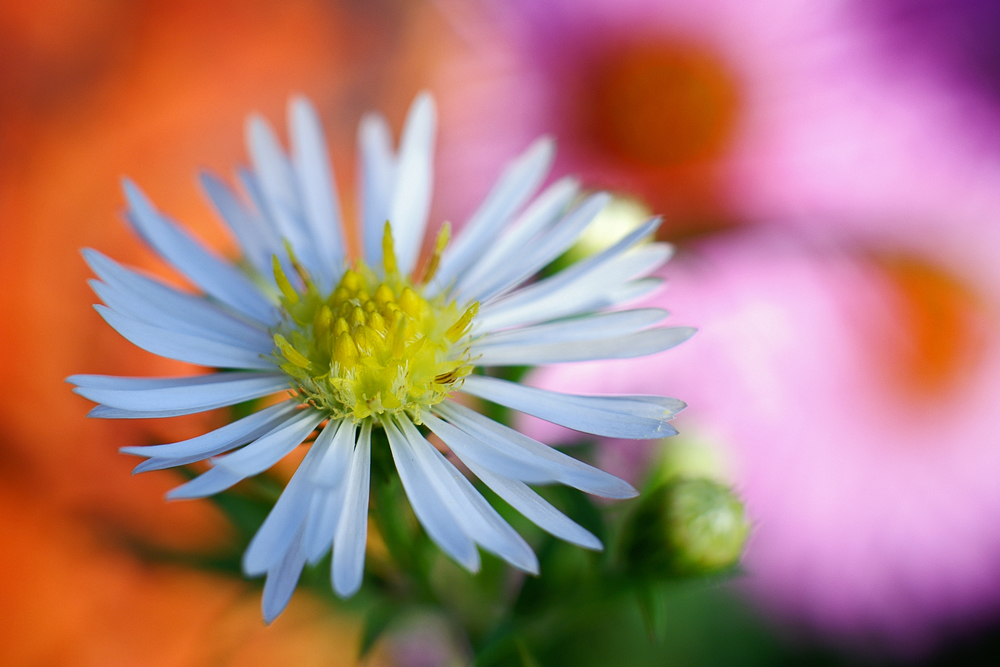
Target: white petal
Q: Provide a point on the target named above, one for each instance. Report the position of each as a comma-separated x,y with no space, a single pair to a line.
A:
582,287
281,581
501,539
348,565
565,469
508,461
476,517
104,412
146,383
411,196
378,174
518,182
210,482
330,469
315,176
541,214
434,516
143,311
588,327
634,290
185,347
284,522
635,417
215,276
212,443
276,180
282,199
274,235
270,448
176,396
637,344
324,513
256,238
537,509
575,272
146,295
542,251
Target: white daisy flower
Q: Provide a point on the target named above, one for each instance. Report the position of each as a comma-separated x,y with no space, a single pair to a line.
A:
356,344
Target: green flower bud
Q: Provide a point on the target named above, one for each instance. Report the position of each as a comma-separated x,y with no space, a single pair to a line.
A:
686,527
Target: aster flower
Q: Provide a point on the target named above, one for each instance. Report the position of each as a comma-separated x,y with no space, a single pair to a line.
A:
349,345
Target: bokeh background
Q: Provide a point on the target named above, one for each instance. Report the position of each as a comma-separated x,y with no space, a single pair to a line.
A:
829,171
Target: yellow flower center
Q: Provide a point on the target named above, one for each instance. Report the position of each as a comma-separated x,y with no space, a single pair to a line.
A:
375,344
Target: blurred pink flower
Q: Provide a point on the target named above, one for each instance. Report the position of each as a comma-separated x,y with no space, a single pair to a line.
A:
954,41
849,352
852,373
674,101
856,396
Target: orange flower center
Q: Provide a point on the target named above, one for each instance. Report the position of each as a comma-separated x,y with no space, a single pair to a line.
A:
663,104
941,328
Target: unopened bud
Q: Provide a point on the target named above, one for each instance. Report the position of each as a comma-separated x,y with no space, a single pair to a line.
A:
620,217
686,527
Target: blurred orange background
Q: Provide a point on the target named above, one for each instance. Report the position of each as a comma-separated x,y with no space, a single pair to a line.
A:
90,92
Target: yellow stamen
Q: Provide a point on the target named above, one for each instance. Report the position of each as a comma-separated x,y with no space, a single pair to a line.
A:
439,245
399,339
459,328
297,265
388,251
384,295
376,322
351,281
290,352
322,322
340,326
345,351
340,295
283,284
373,345
410,302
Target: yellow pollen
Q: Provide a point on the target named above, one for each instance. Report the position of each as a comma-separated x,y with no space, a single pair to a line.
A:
372,345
